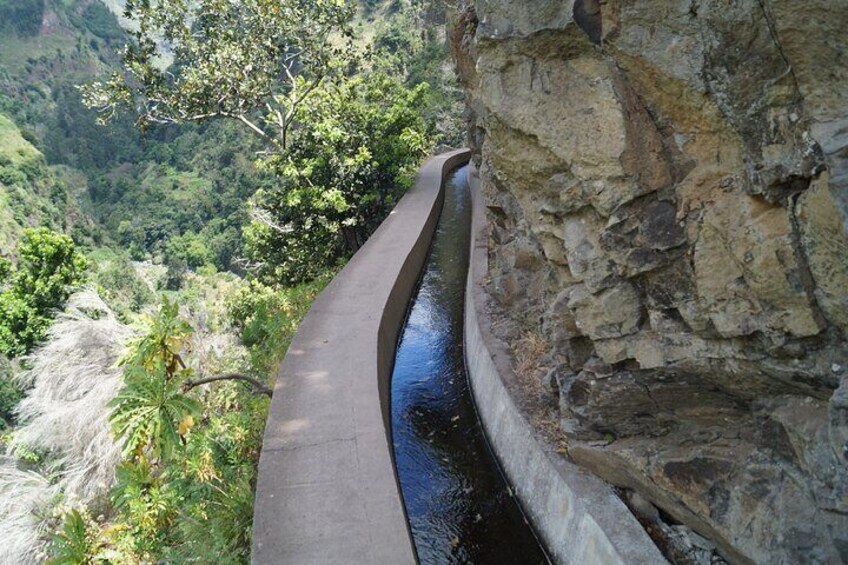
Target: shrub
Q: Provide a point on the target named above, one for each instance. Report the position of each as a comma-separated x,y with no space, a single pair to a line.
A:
10,395
267,318
190,248
49,267
9,175
118,282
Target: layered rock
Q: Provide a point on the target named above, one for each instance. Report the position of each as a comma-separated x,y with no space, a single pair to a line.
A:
667,187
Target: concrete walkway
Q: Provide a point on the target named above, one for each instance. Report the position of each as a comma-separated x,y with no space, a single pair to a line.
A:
327,491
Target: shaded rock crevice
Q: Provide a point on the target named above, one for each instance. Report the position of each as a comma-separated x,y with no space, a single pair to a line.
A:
588,16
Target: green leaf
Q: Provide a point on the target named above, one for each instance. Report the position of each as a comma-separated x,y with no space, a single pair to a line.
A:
71,545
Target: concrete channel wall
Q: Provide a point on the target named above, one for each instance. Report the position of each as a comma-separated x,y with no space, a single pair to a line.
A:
579,518
327,492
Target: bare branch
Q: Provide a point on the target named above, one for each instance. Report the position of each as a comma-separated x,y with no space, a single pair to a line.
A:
201,117
261,133
262,216
288,68
261,388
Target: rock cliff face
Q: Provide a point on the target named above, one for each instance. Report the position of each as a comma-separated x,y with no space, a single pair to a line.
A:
667,187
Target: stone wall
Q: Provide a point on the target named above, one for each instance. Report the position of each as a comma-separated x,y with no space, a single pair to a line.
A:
667,191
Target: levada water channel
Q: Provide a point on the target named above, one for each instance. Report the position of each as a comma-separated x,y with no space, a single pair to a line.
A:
459,506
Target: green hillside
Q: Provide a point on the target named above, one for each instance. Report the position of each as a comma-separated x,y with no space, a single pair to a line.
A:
16,197
14,149
140,191
48,144
33,194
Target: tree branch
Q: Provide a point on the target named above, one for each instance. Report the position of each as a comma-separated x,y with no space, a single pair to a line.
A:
261,388
296,101
263,217
253,127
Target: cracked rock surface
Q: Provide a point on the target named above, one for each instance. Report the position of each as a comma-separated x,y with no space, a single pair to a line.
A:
667,191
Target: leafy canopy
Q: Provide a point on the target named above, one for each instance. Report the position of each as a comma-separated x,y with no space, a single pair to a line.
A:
340,176
273,64
254,61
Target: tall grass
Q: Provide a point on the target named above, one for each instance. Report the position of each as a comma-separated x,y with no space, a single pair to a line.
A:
71,379
63,416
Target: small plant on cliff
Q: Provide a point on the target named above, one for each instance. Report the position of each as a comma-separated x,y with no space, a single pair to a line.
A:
72,544
151,413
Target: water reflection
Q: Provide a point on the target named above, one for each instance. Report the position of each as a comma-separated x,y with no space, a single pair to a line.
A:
460,508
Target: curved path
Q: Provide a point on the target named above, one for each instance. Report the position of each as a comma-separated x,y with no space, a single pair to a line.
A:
327,491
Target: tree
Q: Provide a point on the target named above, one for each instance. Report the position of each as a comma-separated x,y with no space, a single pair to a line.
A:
270,65
49,267
340,176
254,61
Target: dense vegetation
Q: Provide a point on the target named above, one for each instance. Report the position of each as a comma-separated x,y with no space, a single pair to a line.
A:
21,16
183,488
188,248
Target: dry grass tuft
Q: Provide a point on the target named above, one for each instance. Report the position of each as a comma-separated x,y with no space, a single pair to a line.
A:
528,352
26,498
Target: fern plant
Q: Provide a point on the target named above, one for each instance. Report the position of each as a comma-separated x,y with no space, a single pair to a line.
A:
151,412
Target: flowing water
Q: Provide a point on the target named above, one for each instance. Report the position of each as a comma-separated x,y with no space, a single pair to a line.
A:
459,506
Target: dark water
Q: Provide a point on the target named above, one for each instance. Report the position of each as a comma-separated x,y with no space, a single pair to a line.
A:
459,506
